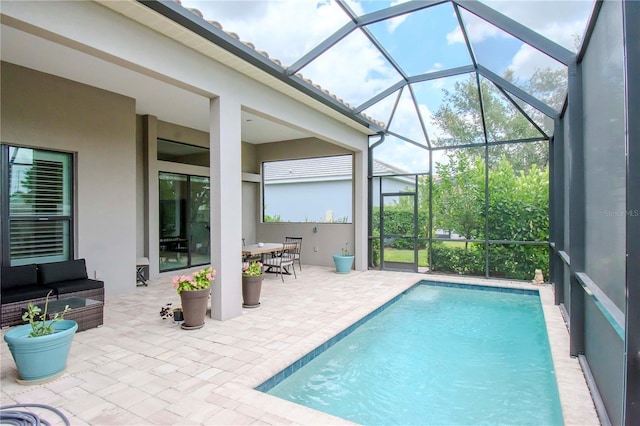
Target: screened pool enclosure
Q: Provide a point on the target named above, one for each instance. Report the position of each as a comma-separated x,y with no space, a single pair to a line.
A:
484,138
513,122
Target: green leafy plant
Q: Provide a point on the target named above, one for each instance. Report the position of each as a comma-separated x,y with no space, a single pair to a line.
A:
37,318
345,250
197,281
253,270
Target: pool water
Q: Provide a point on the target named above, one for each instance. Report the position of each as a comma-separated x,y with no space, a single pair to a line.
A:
439,355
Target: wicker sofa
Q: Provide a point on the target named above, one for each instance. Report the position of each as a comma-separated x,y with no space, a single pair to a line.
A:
21,285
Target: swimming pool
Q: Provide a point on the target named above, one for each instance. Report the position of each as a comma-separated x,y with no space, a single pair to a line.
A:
439,354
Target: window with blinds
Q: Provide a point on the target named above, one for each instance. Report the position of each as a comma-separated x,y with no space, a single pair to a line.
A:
40,205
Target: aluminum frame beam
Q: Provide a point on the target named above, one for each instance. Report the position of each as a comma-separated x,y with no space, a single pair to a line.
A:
329,42
518,92
463,28
397,10
631,17
465,69
380,96
577,211
523,112
556,210
516,29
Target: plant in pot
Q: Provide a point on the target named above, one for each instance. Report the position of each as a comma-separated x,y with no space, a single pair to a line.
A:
40,349
251,285
343,261
194,291
169,312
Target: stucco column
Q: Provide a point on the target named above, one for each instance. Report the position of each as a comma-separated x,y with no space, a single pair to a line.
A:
360,219
226,207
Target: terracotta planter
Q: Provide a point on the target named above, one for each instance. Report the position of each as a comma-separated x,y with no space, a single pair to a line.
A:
194,307
251,287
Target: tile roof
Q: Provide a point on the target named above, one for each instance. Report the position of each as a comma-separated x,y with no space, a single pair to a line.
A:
276,61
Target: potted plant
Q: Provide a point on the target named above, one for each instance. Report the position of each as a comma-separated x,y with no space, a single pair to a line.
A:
251,285
194,291
40,349
177,315
343,261
170,312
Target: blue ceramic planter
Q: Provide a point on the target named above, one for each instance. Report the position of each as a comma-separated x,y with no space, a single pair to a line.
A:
343,263
44,357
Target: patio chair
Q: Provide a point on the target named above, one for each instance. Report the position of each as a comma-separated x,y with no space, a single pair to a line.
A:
296,256
284,259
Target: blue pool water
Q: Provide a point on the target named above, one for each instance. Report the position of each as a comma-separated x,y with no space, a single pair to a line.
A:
439,355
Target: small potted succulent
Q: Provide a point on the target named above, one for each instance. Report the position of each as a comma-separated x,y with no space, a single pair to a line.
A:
251,284
40,348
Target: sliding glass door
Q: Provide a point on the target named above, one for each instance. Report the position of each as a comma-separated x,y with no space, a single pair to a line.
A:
184,221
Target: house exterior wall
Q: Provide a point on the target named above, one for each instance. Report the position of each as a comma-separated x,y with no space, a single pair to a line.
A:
294,201
317,247
108,42
43,111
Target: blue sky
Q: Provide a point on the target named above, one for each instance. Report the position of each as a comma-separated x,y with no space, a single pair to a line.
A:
421,42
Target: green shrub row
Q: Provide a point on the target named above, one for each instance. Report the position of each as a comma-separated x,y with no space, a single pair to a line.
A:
511,261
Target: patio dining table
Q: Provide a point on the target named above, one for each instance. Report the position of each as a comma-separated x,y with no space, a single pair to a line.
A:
262,250
255,249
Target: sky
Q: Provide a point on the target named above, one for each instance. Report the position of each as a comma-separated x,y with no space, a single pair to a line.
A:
421,42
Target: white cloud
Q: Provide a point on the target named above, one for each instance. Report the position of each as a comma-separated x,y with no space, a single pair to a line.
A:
477,31
560,21
556,20
353,69
403,155
527,60
397,21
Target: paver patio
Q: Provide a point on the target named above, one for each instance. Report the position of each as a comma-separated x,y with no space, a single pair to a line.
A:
139,369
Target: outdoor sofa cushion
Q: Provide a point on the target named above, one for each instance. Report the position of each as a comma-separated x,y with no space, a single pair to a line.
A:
67,270
72,286
67,277
18,276
24,292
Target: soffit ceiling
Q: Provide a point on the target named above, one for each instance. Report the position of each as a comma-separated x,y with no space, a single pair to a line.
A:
29,48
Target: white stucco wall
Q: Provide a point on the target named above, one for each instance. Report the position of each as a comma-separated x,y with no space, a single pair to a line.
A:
99,127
